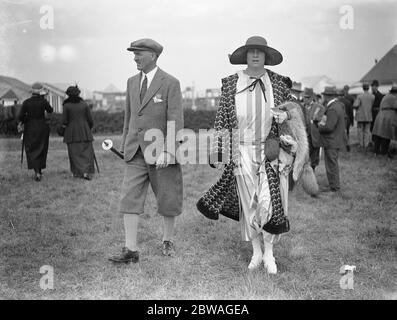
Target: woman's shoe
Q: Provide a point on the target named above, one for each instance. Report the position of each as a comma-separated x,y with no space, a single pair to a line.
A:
270,264
37,177
255,262
86,176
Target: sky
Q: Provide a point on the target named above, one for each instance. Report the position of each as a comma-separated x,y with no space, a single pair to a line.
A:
86,40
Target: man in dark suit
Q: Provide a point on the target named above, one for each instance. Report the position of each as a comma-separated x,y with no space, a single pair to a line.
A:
153,110
348,104
333,135
314,113
377,101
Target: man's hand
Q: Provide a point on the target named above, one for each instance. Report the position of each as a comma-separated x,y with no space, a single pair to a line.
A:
163,160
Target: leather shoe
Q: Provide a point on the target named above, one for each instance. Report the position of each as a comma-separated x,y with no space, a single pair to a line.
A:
168,248
328,190
126,256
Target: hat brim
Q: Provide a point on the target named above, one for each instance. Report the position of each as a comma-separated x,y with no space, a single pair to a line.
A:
142,49
273,57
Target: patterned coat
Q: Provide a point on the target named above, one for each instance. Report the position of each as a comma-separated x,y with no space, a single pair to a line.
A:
222,197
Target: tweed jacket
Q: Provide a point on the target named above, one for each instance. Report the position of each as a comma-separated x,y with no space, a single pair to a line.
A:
222,197
160,109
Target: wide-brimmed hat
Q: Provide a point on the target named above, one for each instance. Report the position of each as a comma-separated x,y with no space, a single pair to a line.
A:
146,45
239,56
37,88
308,93
73,91
329,91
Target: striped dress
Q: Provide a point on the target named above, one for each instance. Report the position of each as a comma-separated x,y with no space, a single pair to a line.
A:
254,121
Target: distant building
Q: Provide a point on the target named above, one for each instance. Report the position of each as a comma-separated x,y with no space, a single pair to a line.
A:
110,99
202,100
55,96
384,70
12,89
9,99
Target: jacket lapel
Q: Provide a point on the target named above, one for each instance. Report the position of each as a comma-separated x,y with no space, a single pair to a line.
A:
153,88
135,88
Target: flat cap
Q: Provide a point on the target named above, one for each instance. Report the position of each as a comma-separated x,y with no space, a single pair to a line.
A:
146,44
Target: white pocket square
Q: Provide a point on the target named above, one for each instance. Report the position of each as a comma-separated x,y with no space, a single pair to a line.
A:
157,99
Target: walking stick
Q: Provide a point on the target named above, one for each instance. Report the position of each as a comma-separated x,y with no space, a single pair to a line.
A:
108,145
23,145
96,163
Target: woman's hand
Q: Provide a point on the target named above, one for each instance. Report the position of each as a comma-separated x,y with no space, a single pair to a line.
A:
290,141
219,165
20,127
279,116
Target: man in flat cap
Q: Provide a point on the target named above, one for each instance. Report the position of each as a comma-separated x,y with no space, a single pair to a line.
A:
153,104
333,135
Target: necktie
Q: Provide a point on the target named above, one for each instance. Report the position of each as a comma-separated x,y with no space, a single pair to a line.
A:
143,89
252,86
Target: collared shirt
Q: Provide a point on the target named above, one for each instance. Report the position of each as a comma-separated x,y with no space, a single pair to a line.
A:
332,101
150,75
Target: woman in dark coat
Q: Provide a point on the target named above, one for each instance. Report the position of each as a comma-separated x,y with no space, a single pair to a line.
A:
77,121
36,130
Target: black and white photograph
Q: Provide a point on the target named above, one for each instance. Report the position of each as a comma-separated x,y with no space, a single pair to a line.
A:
198,155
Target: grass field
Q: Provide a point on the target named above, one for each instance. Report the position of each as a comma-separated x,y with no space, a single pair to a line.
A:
73,226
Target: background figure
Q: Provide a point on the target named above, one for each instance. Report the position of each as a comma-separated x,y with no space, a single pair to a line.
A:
347,101
314,113
78,123
377,101
36,130
385,127
364,104
333,136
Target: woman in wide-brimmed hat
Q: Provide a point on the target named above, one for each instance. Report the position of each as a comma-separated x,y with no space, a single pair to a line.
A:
77,121
36,130
385,126
267,133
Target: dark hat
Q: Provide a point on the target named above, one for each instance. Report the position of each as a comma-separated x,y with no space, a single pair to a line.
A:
329,91
239,56
73,91
296,86
146,45
375,83
308,92
37,88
